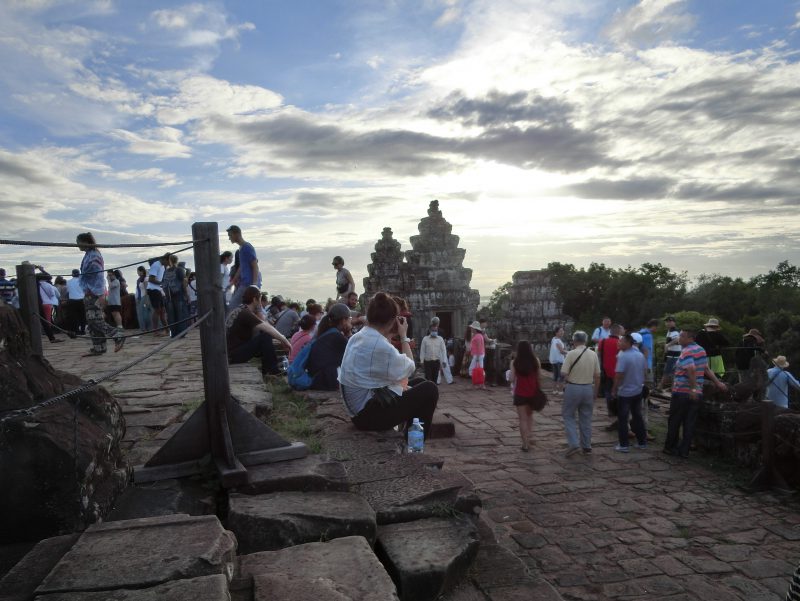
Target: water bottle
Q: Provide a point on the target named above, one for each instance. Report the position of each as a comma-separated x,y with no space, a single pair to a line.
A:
285,364
416,437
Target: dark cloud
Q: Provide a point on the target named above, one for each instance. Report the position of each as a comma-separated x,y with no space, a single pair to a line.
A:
16,169
496,109
740,192
626,189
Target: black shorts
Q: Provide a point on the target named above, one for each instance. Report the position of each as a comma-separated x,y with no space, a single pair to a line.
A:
114,308
156,299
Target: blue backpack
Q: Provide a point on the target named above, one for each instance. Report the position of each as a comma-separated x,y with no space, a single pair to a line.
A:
297,376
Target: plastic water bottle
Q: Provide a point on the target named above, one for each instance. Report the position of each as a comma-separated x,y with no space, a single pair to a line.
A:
285,365
416,437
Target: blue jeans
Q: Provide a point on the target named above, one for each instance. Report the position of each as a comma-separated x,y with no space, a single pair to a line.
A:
578,397
632,404
682,414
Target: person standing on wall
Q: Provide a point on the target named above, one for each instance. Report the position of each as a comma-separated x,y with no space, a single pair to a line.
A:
344,279
248,273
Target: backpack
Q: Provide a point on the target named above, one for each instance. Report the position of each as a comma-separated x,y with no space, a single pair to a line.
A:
297,376
172,282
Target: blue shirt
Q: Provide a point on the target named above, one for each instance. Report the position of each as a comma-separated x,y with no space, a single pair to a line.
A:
647,342
778,389
93,273
631,365
247,254
693,354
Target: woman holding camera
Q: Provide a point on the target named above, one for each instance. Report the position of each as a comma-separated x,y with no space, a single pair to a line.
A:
374,377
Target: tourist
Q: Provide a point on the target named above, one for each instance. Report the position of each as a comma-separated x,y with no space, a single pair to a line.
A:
490,350
648,348
114,300
248,273
48,300
752,344
75,309
225,259
528,396
691,370
326,354
672,350
60,317
143,309
309,302
602,331
248,336
286,321
191,292
629,379
344,280
713,341
466,360
607,350
405,312
315,311
376,389
477,350
779,382
176,295
155,293
582,376
431,352
557,353
276,306
93,285
356,318
303,336
7,288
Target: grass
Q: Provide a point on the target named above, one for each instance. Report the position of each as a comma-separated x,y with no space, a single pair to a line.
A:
291,416
188,406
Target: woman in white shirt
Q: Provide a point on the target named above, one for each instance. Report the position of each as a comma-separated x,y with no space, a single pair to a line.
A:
557,353
374,377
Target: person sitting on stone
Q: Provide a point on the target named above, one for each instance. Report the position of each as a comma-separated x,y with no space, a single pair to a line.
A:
315,311
247,336
276,305
309,302
405,312
356,318
303,336
329,344
376,389
286,322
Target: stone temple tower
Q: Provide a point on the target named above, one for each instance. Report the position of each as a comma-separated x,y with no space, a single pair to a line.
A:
432,278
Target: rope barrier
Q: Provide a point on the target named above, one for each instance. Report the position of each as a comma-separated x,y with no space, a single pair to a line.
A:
174,252
28,411
75,244
73,334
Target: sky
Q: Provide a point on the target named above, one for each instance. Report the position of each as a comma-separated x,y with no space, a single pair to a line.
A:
576,131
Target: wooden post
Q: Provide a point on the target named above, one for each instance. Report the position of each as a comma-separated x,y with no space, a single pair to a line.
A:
28,293
768,476
216,379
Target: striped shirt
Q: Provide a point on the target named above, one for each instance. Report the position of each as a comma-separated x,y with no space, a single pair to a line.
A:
691,355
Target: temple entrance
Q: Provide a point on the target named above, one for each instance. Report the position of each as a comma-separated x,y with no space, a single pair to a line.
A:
446,323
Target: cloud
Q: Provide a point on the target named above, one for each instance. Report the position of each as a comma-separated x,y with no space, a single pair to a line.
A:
198,25
797,20
628,189
500,108
650,22
161,142
166,180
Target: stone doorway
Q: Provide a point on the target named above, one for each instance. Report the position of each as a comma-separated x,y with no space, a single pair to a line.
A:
446,323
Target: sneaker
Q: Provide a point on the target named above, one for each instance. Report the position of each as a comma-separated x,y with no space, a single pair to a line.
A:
587,451
641,447
611,427
620,449
571,451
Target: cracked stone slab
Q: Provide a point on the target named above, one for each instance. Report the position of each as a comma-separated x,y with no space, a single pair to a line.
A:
204,588
278,520
313,472
143,553
21,581
344,565
427,557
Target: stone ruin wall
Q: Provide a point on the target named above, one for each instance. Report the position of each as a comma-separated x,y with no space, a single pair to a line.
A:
532,312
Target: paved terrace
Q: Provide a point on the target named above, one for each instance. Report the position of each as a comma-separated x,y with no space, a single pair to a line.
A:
605,526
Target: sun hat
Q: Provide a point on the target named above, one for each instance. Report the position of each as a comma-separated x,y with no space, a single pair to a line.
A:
339,311
712,322
475,325
637,337
780,361
755,334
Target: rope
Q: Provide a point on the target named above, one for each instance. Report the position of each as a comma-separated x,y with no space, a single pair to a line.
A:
73,334
28,411
67,275
75,244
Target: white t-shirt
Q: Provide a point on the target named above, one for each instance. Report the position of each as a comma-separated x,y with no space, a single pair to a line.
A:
157,271
556,346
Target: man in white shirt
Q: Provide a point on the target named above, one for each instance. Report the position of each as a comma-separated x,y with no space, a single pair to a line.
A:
431,352
603,331
75,309
156,294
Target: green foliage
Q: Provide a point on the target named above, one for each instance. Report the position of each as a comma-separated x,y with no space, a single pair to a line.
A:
494,307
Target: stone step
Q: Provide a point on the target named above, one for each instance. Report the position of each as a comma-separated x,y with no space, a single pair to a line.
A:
142,553
203,588
166,497
427,558
339,570
284,519
21,581
314,472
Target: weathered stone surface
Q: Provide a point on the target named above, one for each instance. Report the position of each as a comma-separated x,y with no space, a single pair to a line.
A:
427,557
21,581
278,520
269,587
348,562
314,472
204,588
765,568
166,497
141,553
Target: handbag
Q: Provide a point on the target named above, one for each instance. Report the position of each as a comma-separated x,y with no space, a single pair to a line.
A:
540,399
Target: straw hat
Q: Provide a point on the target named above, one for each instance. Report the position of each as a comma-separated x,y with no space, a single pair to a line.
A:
713,322
756,335
780,361
475,325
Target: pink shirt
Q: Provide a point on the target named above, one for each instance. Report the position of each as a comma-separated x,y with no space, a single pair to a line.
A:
298,341
477,345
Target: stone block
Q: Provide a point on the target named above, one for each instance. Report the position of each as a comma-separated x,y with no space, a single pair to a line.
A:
284,519
344,565
314,472
204,588
21,581
427,557
166,497
442,429
143,553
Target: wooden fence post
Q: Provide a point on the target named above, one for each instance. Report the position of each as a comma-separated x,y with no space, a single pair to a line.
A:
28,293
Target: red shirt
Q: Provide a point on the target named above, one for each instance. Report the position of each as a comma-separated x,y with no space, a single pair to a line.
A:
526,386
608,349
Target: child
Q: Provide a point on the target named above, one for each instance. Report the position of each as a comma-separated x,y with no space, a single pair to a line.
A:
525,386
477,350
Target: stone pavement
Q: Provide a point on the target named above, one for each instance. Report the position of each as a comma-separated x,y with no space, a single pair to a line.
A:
615,526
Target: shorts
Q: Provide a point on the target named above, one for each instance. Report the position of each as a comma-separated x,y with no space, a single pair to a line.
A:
114,308
557,372
156,299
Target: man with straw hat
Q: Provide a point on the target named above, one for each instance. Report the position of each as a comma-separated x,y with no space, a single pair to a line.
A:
779,381
713,341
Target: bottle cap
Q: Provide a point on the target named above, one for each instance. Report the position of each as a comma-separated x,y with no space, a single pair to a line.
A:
415,420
